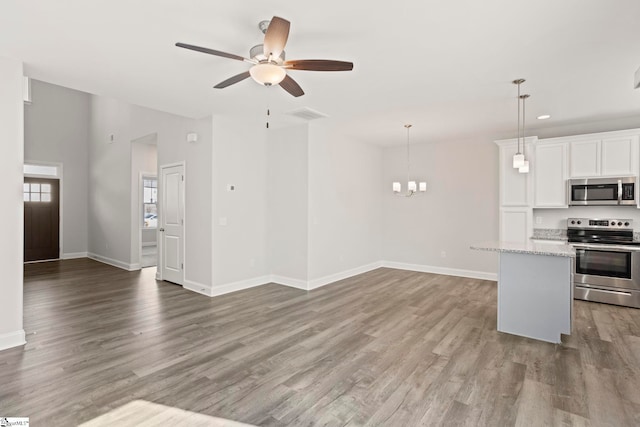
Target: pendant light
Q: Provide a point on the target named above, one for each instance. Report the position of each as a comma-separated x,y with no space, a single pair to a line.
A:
525,165
412,187
518,158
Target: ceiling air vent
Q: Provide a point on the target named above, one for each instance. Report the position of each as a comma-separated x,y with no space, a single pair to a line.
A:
307,113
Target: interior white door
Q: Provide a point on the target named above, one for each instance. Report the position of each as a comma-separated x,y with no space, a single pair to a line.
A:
172,223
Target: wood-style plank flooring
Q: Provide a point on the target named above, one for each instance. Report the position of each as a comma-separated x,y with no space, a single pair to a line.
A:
388,347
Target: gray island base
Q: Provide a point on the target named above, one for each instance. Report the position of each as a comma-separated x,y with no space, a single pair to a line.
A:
535,289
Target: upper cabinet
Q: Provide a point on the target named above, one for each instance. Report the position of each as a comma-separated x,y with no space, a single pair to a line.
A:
585,158
550,175
514,186
611,154
620,156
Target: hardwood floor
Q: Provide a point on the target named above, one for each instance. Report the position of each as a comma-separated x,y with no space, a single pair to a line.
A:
388,347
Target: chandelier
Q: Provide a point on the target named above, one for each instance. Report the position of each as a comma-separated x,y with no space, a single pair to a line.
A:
412,186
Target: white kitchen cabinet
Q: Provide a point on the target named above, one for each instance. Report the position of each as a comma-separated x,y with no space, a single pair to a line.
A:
585,158
550,175
516,213
619,156
515,187
608,154
516,224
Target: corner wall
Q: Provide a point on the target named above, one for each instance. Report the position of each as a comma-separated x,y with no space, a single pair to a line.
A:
239,216
11,175
432,231
345,219
287,212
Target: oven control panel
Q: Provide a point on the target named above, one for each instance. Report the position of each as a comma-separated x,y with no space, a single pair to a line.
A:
600,224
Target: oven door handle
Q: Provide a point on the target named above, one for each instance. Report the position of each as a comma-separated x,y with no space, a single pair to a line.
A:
605,248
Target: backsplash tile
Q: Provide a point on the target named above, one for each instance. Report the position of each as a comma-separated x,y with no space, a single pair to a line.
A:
553,234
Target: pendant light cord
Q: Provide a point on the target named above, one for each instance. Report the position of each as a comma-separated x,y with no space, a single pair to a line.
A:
268,105
408,157
518,118
524,98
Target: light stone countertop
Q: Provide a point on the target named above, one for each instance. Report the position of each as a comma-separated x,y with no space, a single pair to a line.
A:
532,248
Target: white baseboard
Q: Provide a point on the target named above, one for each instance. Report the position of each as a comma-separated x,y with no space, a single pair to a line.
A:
483,275
12,339
323,281
114,262
308,285
214,291
291,282
239,285
74,255
196,287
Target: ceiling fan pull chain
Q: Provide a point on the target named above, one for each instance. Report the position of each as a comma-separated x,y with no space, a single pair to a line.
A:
268,103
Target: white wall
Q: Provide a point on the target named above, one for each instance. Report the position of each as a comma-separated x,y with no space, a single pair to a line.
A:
110,229
11,214
56,130
198,222
144,160
345,186
287,206
109,181
460,207
239,159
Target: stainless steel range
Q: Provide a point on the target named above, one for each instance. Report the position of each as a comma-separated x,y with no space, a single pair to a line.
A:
607,267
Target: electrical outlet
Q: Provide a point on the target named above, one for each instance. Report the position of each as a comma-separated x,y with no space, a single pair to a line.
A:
443,254
222,221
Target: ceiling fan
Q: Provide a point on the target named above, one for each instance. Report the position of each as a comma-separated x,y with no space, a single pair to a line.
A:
269,66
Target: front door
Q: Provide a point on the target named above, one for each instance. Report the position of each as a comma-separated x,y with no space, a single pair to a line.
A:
171,231
41,219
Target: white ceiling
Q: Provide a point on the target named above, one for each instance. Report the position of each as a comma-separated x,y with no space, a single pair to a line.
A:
445,66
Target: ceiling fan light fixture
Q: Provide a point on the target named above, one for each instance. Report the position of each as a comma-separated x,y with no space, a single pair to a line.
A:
267,74
268,60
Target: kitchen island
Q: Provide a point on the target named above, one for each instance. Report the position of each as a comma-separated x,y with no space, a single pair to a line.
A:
535,288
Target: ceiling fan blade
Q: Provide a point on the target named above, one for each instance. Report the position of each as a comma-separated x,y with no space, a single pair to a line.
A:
214,52
291,86
232,80
318,65
276,37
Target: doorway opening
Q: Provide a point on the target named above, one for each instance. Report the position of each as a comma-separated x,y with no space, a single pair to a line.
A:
149,249
144,212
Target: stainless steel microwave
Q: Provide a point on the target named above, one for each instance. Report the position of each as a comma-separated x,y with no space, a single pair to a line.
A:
602,191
